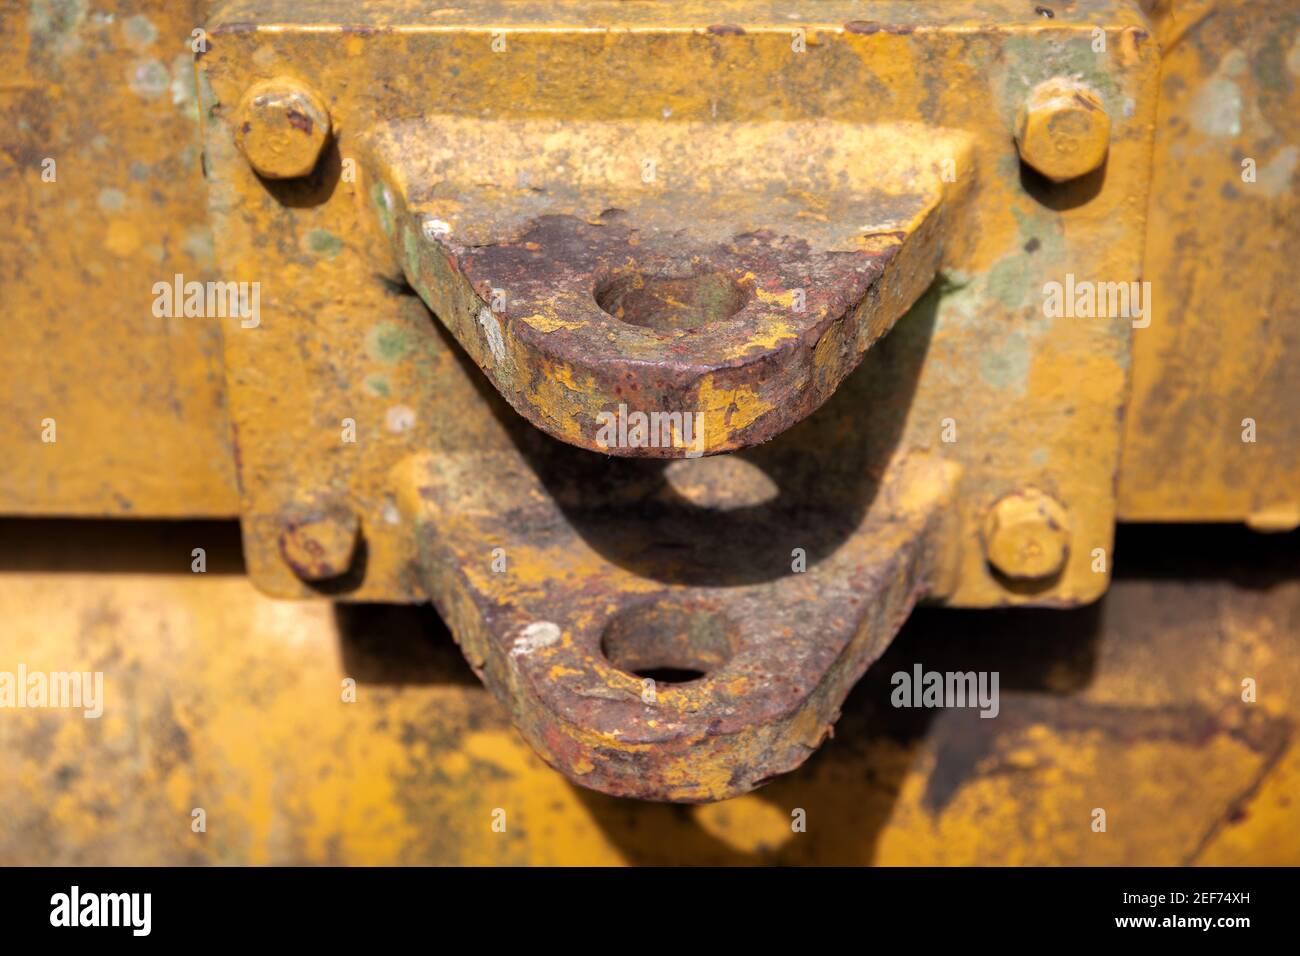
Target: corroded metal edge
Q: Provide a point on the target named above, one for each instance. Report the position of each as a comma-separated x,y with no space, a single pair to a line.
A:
800,641
514,268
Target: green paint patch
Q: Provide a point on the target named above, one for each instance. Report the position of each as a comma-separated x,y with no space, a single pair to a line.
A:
412,249
139,31
322,242
198,243
1007,367
1217,107
207,96
1274,177
957,294
55,20
111,200
379,195
388,342
1010,281
1030,61
1040,235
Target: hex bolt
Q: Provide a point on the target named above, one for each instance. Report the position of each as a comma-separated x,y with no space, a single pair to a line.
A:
281,128
320,545
1062,129
1027,535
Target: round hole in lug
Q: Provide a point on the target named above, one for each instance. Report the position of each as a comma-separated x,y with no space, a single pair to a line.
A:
669,643
670,303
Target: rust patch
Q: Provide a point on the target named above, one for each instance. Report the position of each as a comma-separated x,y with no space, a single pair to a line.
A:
589,313
651,323
661,671
299,120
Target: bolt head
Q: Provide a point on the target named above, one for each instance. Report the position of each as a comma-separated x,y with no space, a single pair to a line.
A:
1063,130
1027,535
320,545
281,127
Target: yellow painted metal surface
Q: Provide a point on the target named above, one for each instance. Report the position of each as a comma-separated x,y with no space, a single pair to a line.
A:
102,196
143,397
1212,426
216,697
113,407
1033,399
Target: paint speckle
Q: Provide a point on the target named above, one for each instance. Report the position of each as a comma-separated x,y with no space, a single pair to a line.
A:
534,637
434,229
198,244
148,78
111,200
399,419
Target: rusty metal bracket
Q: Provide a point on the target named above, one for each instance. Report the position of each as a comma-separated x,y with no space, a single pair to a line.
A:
657,170
721,277
648,647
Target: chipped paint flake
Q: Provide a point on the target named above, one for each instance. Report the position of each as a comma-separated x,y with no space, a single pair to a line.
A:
492,332
534,637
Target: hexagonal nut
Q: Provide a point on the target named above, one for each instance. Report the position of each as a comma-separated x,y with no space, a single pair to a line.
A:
320,545
1063,130
281,128
1027,535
